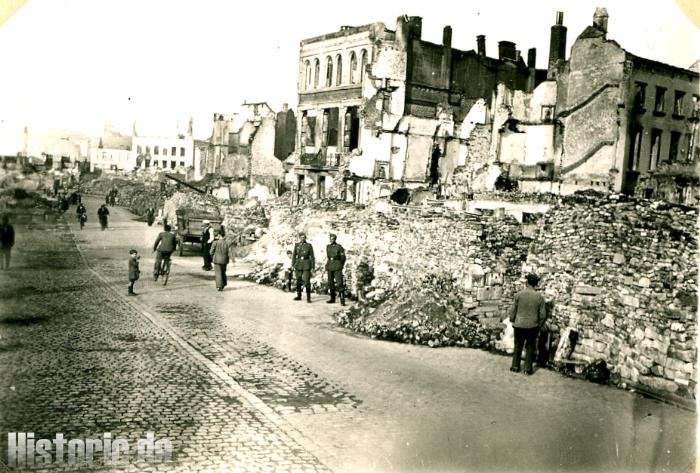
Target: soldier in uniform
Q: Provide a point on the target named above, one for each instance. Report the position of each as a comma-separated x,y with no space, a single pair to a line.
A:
303,263
334,266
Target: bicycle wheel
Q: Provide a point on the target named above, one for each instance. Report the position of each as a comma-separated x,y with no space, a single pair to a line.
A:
166,272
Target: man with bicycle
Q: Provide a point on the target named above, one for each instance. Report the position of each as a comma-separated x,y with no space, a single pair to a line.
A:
168,242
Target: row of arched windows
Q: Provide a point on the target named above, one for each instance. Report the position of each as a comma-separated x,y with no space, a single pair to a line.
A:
333,71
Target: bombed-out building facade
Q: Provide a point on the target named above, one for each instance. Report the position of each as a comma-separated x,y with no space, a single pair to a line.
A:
383,109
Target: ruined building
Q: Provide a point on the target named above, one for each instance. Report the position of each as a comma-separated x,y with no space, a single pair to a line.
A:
605,119
249,147
382,109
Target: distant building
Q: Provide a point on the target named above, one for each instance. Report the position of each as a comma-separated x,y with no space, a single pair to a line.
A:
113,151
173,153
381,109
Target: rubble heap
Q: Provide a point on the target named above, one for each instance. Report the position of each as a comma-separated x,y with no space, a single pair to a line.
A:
135,193
428,312
249,221
625,277
189,200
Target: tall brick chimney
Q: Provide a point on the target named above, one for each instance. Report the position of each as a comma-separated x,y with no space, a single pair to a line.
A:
447,55
531,57
481,45
557,44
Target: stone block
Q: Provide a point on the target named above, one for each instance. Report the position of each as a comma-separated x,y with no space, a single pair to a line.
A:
630,301
688,368
646,362
587,290
677,327
650,332
659,384
618,258
684,355
638,334
608,321
657,370
644,282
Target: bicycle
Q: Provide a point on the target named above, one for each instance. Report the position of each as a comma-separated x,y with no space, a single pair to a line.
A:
164,270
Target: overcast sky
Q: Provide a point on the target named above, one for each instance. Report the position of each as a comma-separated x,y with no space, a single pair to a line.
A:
73,63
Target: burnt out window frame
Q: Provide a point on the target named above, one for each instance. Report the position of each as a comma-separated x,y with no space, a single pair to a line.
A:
338,70
678,104
353,67
640,96
655,148
674,147
307,75
317,72
364,59
659,101
329,71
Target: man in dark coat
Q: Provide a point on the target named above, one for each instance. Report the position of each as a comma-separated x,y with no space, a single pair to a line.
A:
164,246
303,262
334,267
150,216
7,241
527,316
207,241
103,215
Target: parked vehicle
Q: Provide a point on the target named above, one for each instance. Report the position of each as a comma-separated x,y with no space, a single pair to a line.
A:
190,225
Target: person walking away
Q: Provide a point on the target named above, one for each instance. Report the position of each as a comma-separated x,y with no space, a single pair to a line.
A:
207,241
150,216
334,266
164,246
527,316
134,272
103,216
7,241
220,257
303,262
81,212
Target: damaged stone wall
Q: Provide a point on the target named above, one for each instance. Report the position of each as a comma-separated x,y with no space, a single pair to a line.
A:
624,276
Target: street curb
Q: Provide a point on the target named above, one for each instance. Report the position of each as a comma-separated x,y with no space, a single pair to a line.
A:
254,401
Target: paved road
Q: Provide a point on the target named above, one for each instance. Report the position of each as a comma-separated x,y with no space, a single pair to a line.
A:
354,404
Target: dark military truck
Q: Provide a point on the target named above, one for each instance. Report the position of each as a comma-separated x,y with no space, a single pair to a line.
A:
190,226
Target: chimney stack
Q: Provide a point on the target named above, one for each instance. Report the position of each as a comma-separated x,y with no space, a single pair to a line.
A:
557,44
506,50
481,45
415,27
531,57
447,55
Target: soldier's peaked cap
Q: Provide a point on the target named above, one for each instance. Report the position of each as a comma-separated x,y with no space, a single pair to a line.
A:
333,235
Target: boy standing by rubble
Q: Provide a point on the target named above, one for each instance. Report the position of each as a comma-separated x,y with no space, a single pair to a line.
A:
134,272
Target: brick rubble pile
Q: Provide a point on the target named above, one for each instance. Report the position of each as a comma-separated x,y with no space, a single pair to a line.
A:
625,277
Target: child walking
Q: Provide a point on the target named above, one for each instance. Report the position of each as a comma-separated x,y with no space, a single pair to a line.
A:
134,272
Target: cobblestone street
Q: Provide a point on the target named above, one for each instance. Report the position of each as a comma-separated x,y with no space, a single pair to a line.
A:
247,380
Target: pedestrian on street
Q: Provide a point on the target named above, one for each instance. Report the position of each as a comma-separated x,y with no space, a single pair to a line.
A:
207,241
81,212
527,316
150,216
220,256
288,272
303,262
103,216
164,246
334,267
134,271
7,241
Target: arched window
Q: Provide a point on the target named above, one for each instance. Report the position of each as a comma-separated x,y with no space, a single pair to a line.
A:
353,68
363,63
317,72
338,70
307,75
329,71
